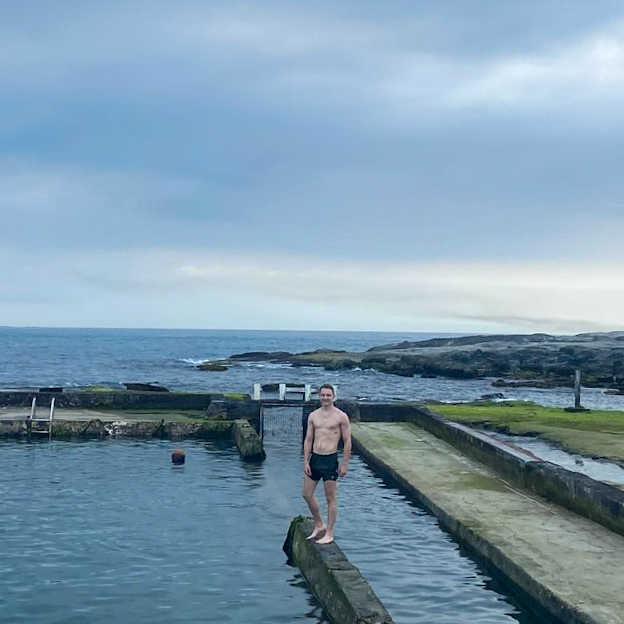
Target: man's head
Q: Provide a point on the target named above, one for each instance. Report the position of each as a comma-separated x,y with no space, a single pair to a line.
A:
326,394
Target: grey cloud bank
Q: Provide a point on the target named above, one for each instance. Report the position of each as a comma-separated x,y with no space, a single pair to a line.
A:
395,139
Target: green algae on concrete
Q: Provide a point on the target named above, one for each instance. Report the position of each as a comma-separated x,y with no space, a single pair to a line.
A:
596,433
345,595
121,428
248,442
566,564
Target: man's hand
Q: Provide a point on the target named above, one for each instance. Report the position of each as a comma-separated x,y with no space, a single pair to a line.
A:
342,470
307,469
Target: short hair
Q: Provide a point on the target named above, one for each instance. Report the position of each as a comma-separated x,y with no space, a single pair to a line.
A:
327,387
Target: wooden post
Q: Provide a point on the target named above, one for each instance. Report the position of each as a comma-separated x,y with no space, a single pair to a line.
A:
577,388
257,388
282,392
308,392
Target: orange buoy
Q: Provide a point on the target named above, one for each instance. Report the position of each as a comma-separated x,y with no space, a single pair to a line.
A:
178,457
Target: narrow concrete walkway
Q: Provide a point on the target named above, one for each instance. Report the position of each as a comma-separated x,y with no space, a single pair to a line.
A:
572,566
81,414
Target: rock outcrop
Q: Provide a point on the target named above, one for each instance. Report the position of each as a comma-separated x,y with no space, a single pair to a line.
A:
534,359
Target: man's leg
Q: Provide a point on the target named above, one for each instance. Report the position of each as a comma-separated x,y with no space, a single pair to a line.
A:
332,511
309,485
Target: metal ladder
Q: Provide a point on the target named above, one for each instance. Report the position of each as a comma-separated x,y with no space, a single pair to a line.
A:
32,418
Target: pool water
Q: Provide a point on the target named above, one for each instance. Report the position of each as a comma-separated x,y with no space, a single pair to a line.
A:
597,469
95,532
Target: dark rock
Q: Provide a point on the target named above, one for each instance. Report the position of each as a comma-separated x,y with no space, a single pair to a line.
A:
322,352
538,360
546,384
492,396
143,387
262,356
345,364
215,367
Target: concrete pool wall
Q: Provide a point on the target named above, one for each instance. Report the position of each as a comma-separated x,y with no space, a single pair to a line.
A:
345,595
587,497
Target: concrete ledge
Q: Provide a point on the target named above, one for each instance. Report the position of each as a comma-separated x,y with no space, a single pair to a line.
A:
212,405
595,500
96,428
346,597
477,537
592,499
121,399
247,441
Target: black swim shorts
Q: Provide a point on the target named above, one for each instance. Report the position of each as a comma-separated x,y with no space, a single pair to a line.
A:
324,467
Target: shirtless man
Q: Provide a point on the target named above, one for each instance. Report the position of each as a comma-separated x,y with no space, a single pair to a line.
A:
326,426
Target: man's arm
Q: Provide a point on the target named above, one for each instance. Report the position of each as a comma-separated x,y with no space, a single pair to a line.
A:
345,430
307,446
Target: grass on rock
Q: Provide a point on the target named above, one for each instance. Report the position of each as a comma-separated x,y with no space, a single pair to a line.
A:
598,433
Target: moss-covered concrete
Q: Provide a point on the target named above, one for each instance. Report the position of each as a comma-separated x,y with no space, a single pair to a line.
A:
248,442
600,502
345,595
111,399
596,433
97,428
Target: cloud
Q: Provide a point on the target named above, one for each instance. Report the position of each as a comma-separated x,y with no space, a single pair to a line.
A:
65,206
589,70
385,69
512,295
155,155
204,289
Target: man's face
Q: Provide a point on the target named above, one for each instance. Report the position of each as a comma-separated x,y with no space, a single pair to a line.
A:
327,396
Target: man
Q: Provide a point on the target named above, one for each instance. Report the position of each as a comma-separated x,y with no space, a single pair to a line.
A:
326,426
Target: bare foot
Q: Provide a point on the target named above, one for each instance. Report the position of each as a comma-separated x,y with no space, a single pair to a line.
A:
326,539
317,532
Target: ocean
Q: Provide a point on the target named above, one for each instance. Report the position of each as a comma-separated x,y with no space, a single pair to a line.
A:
38,357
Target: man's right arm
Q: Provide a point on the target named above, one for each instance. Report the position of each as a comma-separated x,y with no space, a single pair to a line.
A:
307,446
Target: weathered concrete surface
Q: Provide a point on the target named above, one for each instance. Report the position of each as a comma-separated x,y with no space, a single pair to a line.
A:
206,405
346,597
567,564
19,413
82,424
247,441
595,500
114,399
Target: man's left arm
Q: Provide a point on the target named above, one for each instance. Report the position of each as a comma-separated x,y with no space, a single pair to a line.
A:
345,430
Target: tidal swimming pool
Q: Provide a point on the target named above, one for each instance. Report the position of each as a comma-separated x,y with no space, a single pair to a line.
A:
94,532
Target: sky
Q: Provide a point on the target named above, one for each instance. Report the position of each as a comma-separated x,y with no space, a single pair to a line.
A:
405,165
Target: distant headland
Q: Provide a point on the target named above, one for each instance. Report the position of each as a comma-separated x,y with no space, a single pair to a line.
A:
539,360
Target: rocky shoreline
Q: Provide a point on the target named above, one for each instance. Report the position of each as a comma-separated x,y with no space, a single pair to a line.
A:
516,360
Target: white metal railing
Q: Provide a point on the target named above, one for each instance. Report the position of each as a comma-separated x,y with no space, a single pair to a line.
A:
33,416
301,390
